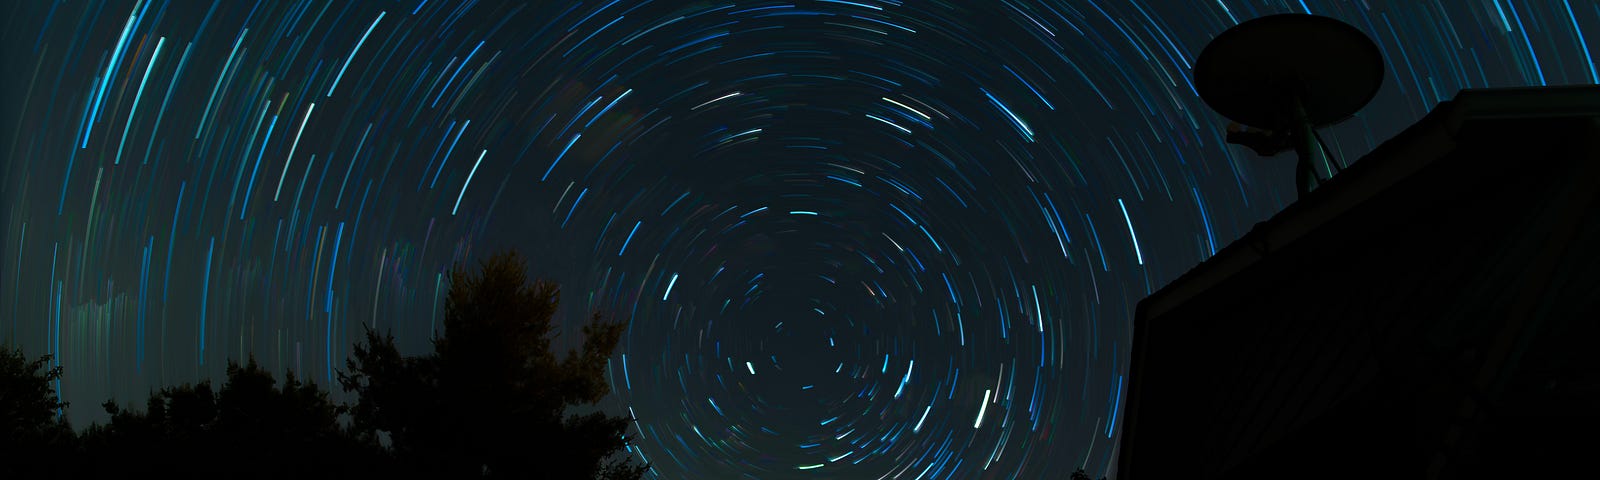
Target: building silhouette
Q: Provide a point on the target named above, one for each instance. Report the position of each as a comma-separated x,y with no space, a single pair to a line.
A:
1431,312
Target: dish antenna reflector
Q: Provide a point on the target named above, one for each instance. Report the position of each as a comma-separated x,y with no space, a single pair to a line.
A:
1284,76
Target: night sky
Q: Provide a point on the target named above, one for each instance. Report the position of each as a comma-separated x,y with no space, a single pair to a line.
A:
855,239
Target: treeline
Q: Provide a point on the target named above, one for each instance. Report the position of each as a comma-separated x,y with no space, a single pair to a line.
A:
492,400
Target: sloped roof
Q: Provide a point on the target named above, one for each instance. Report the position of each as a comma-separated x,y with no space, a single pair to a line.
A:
1209,391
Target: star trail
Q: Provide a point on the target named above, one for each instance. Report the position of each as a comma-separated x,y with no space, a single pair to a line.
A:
854,239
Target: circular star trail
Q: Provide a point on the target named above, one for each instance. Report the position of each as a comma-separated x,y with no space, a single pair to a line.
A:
854,238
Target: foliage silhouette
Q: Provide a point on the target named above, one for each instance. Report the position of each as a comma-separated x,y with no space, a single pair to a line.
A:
247,429
32,432
493,398
1079,474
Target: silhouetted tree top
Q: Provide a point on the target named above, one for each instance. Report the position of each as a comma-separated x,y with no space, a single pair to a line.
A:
493,398
250,428
32,433
27,401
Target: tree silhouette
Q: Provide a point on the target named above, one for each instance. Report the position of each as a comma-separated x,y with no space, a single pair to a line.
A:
1079,474
32,432
493,398
247,429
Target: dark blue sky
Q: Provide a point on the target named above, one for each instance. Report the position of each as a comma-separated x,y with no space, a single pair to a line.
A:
855,238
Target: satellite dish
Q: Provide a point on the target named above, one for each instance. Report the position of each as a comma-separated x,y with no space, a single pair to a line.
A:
1288,75
1251,73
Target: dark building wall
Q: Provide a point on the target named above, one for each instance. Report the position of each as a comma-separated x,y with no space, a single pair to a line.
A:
1430,306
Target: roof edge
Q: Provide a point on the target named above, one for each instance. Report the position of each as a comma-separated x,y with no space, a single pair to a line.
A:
1413,149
